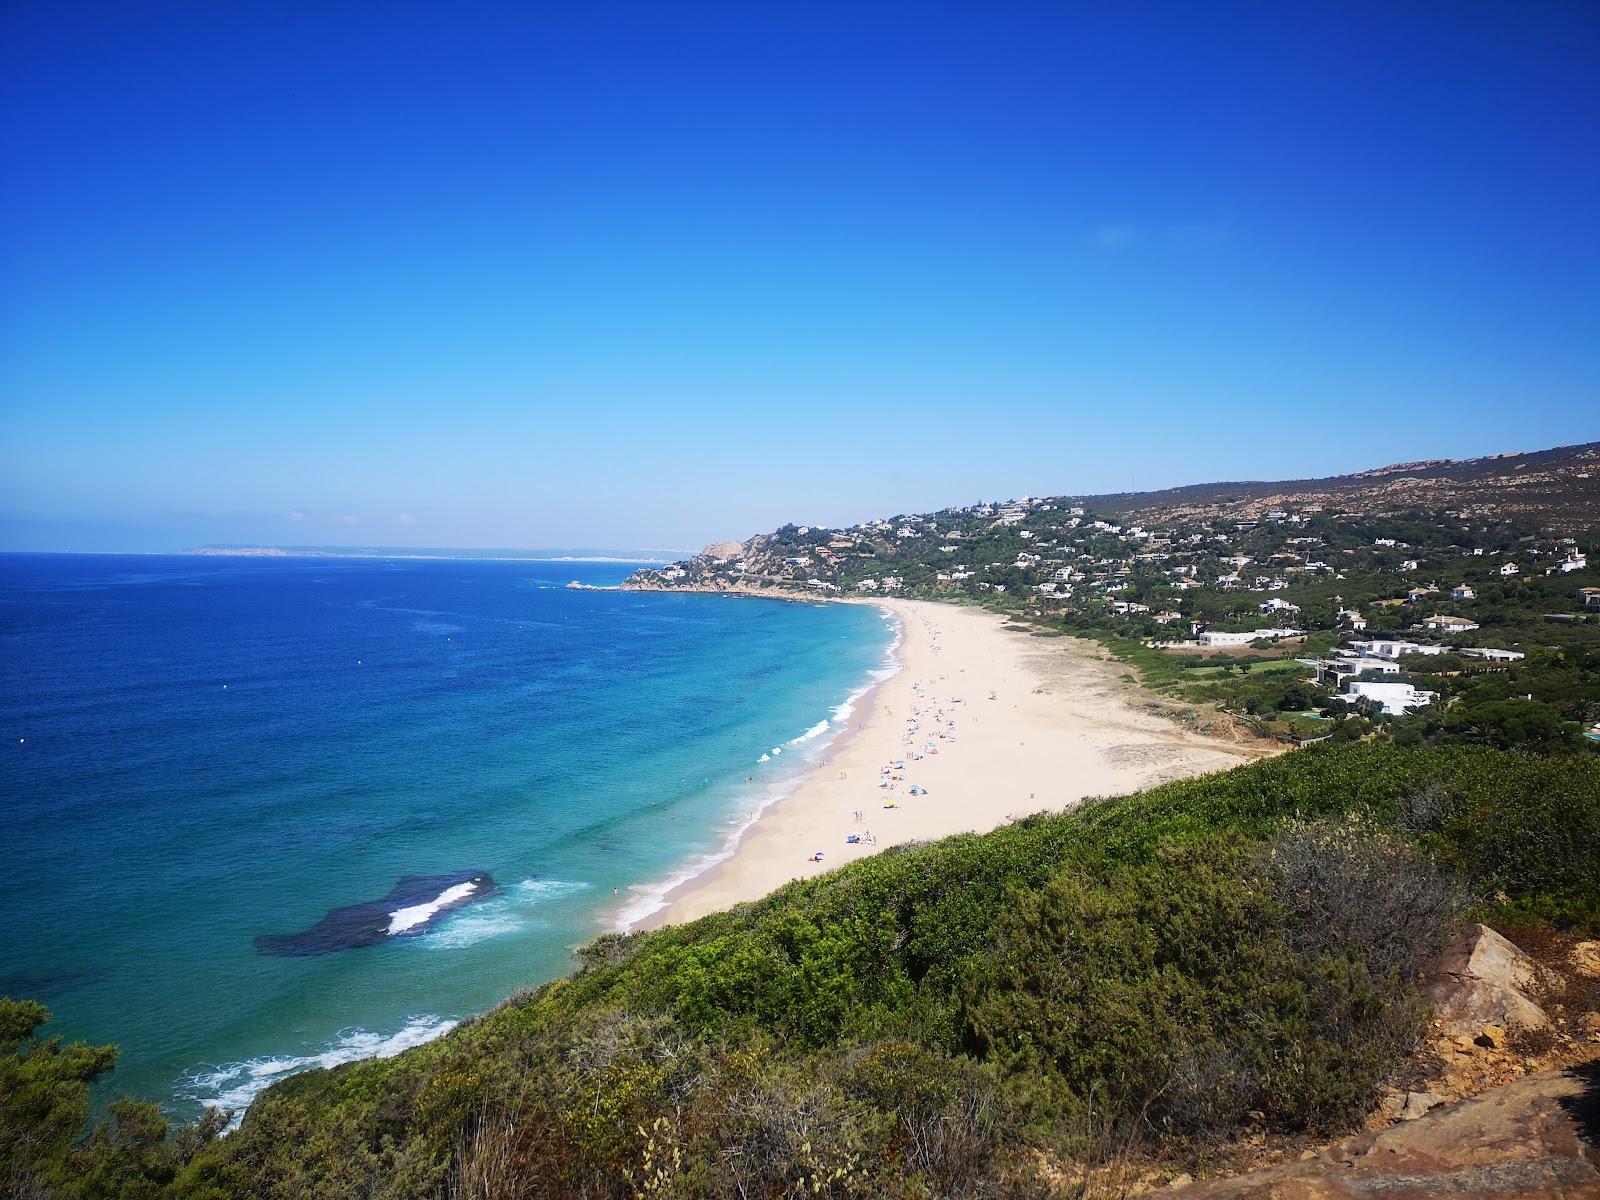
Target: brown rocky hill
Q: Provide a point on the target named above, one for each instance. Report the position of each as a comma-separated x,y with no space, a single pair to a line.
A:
1560,488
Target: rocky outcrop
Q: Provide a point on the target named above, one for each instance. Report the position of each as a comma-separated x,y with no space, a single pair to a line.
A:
1486,985
1536,1137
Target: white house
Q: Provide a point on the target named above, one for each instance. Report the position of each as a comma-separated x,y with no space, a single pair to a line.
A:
1396,699
1386,648
1491,655
1509,569
1462,592
1336,670
1449,624
1574,562
1277,604
1218,638
1590,597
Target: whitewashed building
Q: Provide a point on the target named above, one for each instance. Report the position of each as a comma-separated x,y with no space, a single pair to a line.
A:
1396,699
1213,637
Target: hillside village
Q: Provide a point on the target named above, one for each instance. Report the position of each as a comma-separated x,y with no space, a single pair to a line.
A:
1311,611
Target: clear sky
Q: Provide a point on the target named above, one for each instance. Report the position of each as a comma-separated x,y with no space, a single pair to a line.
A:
643,276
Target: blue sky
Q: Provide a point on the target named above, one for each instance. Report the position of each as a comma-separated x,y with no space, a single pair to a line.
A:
514,275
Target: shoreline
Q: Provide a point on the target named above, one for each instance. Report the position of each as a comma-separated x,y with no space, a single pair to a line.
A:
643,904
992,724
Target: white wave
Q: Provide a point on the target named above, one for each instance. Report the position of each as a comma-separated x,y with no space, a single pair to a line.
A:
550,887
497,916
236,1085
817,730
471,928
644,900
402,919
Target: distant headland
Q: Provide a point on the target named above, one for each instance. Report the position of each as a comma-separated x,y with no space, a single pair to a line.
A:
577,555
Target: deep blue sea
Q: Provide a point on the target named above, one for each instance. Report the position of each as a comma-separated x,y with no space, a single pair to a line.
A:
197,753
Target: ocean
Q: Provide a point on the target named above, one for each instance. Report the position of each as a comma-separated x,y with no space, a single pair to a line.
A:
260,814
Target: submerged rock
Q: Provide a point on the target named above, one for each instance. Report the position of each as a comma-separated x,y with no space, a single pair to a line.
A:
415,903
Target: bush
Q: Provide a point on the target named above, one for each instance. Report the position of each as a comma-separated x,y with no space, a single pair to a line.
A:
1356,891
924,1021
1186,994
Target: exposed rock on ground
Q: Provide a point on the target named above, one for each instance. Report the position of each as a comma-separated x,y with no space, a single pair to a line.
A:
1486,984
1537,1137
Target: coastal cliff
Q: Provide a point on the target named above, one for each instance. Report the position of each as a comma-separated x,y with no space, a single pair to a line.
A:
1212,976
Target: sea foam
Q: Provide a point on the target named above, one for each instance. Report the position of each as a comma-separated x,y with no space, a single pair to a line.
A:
410,917
235,1085
644,900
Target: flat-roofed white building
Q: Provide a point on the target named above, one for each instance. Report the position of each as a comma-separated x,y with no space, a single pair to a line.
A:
1385,648
1218,638
1396,699
1489,654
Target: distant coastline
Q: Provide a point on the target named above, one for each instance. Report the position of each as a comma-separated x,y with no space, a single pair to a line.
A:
408,552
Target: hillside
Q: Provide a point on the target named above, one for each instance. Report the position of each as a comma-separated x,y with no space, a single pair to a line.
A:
1451,600
1482,502
1167,982
1559,489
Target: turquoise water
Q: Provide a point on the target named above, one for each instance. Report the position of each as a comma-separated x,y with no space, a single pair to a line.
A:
200,752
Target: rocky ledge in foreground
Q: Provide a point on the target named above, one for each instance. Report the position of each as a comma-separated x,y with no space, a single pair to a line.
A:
1537,1137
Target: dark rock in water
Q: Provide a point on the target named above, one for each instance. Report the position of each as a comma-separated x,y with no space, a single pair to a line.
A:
45,985
414,904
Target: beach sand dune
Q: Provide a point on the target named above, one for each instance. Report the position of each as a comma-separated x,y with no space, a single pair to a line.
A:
991,724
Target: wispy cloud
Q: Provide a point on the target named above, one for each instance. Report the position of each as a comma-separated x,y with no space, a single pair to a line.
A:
1118,237
347,519
406,519
1112,238
297,515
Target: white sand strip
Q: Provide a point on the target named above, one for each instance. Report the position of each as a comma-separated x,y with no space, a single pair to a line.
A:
1005,724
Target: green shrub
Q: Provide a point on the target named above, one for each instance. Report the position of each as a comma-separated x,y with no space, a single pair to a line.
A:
1205,956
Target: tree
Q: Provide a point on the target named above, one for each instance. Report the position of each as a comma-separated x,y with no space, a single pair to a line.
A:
1507,723
44,1096
1294,699
44,1102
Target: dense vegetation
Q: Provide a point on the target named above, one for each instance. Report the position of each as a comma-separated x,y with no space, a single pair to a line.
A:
1379,555
1214,956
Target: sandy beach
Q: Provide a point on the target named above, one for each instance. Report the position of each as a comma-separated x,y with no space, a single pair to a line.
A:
991,724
